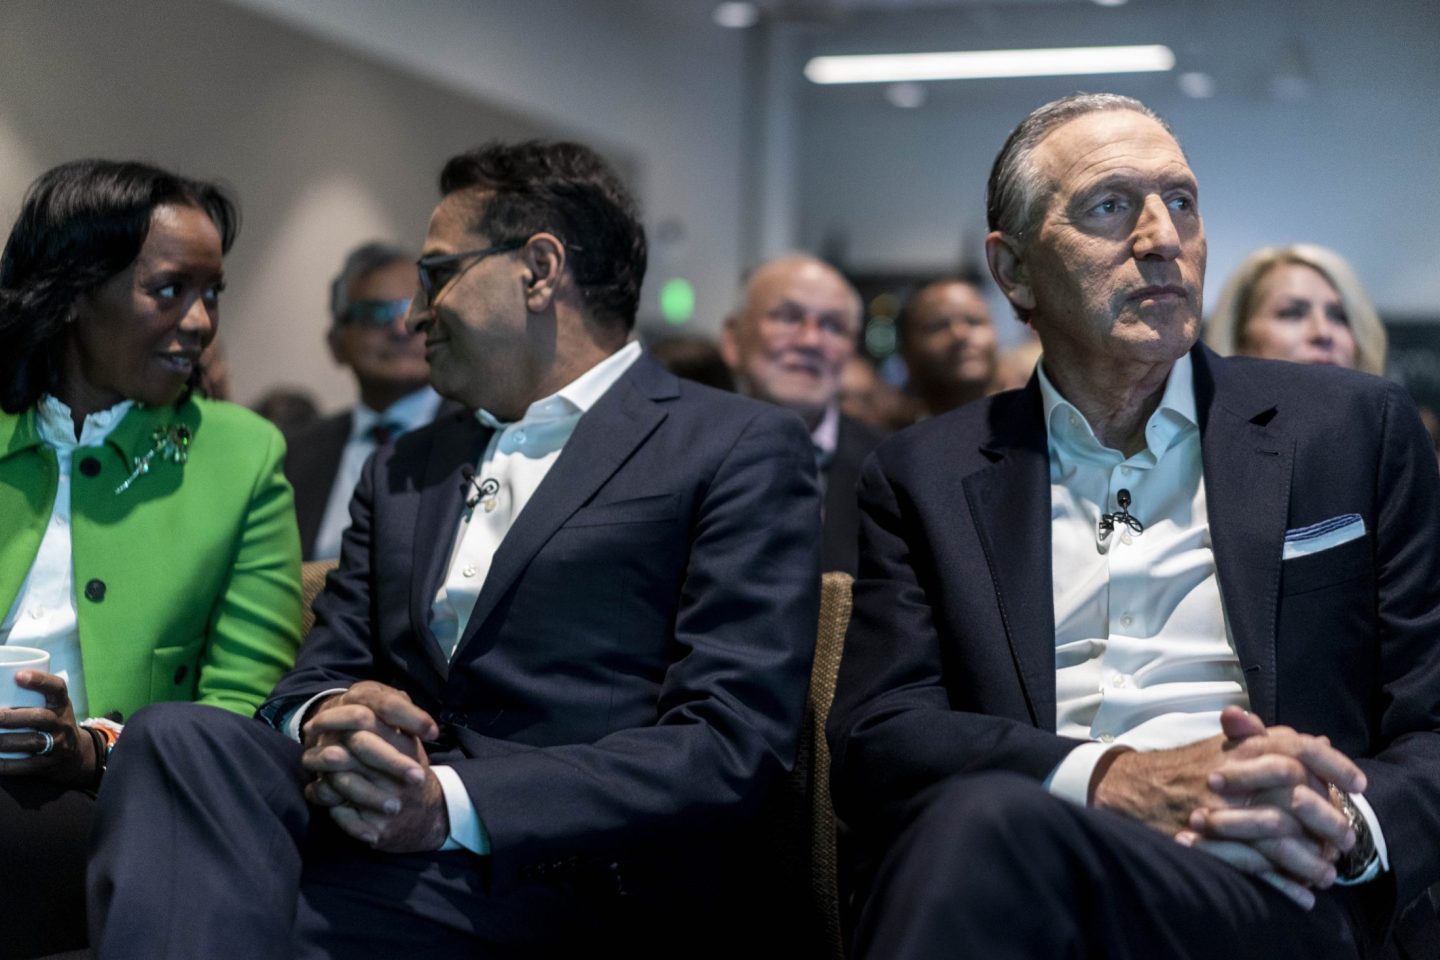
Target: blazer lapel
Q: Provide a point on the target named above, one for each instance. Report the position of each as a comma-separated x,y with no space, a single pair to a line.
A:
441,500
1010,505
1247,465
604,439
312,493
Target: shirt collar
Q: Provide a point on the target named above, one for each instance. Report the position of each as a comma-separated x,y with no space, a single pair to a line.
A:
826,434
1068,431
410,412
577,396
56,424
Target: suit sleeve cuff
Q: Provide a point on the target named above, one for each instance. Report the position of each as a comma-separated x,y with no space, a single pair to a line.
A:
1070,780
1382,855
466,830
291,724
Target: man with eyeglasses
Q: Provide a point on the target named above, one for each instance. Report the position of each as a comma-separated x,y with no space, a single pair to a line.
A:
369,304
563,657
792,334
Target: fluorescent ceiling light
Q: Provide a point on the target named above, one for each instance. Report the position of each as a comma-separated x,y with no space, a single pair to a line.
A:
985,64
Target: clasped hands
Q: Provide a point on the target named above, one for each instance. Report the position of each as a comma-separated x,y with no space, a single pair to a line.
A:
371,774
1256,797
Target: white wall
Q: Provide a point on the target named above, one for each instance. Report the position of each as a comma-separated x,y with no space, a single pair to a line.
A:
652,78
331,119
1352,166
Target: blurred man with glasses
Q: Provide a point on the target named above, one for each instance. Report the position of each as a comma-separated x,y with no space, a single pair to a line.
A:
369,303
563,658
793,333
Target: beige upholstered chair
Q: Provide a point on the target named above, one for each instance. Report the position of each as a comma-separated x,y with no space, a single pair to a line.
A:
312,581
829,641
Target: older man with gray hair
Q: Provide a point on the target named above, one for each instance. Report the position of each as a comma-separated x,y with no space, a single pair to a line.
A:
369,301
787,343
1139,667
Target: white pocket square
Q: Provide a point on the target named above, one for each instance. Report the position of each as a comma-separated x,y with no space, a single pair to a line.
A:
1304,541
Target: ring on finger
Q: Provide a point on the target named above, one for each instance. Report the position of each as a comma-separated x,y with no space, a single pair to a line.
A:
49,744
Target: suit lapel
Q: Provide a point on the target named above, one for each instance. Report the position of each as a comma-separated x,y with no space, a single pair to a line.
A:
1010,505
1247,464
452,449
604,439
312,493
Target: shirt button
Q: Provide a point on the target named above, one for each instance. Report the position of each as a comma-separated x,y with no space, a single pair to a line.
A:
519,436
1126,538
90,467
1074,420
468,572
95,590
59,521
36,613
1126,620
1125,471
1107,738
1120,680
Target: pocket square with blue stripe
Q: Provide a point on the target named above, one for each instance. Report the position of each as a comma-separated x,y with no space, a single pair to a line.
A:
1304,541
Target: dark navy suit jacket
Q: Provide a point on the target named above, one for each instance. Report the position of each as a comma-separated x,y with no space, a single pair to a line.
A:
949,663
312,460
634,671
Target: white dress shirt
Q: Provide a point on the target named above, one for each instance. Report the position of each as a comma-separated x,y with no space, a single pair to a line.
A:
1143,653
410,412
44,613
517,459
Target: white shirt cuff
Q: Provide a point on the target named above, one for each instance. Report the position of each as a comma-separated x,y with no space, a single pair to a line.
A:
466,830
291,726
1382,855
1070,780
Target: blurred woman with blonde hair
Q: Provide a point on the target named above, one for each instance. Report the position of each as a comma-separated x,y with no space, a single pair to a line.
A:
1301,303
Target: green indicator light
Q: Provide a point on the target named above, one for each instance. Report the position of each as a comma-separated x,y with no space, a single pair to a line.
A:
677,301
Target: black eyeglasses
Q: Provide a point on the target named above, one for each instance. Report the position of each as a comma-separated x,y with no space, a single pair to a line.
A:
374,314
438,270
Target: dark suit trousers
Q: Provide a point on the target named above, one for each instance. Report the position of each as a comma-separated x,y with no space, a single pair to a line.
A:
43,829
204,846
991,865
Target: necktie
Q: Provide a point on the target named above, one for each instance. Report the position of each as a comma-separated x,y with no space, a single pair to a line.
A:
383,432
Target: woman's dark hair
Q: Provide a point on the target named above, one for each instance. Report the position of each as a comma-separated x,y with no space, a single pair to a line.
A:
81,224
568,190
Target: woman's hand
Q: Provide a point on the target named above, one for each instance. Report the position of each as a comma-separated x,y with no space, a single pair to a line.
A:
72,758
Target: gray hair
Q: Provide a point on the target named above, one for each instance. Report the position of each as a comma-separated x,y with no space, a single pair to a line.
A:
361,262
1015,192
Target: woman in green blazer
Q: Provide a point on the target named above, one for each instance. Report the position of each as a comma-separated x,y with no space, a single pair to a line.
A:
147,536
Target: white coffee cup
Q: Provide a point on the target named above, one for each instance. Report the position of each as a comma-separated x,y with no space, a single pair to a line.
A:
12,661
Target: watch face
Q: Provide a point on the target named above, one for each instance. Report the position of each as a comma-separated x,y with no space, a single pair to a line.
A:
1357,859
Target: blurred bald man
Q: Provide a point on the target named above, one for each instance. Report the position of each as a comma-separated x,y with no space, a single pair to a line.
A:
948,343
787,343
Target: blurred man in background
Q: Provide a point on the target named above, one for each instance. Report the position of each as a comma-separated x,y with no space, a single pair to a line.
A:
788,343
369,301
948,344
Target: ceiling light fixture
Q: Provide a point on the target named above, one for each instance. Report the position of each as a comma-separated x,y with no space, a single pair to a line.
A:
989,64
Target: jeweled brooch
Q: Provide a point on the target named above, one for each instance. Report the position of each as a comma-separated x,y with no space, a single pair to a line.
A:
171,443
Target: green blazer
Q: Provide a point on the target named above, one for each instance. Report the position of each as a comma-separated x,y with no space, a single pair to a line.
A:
187,584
